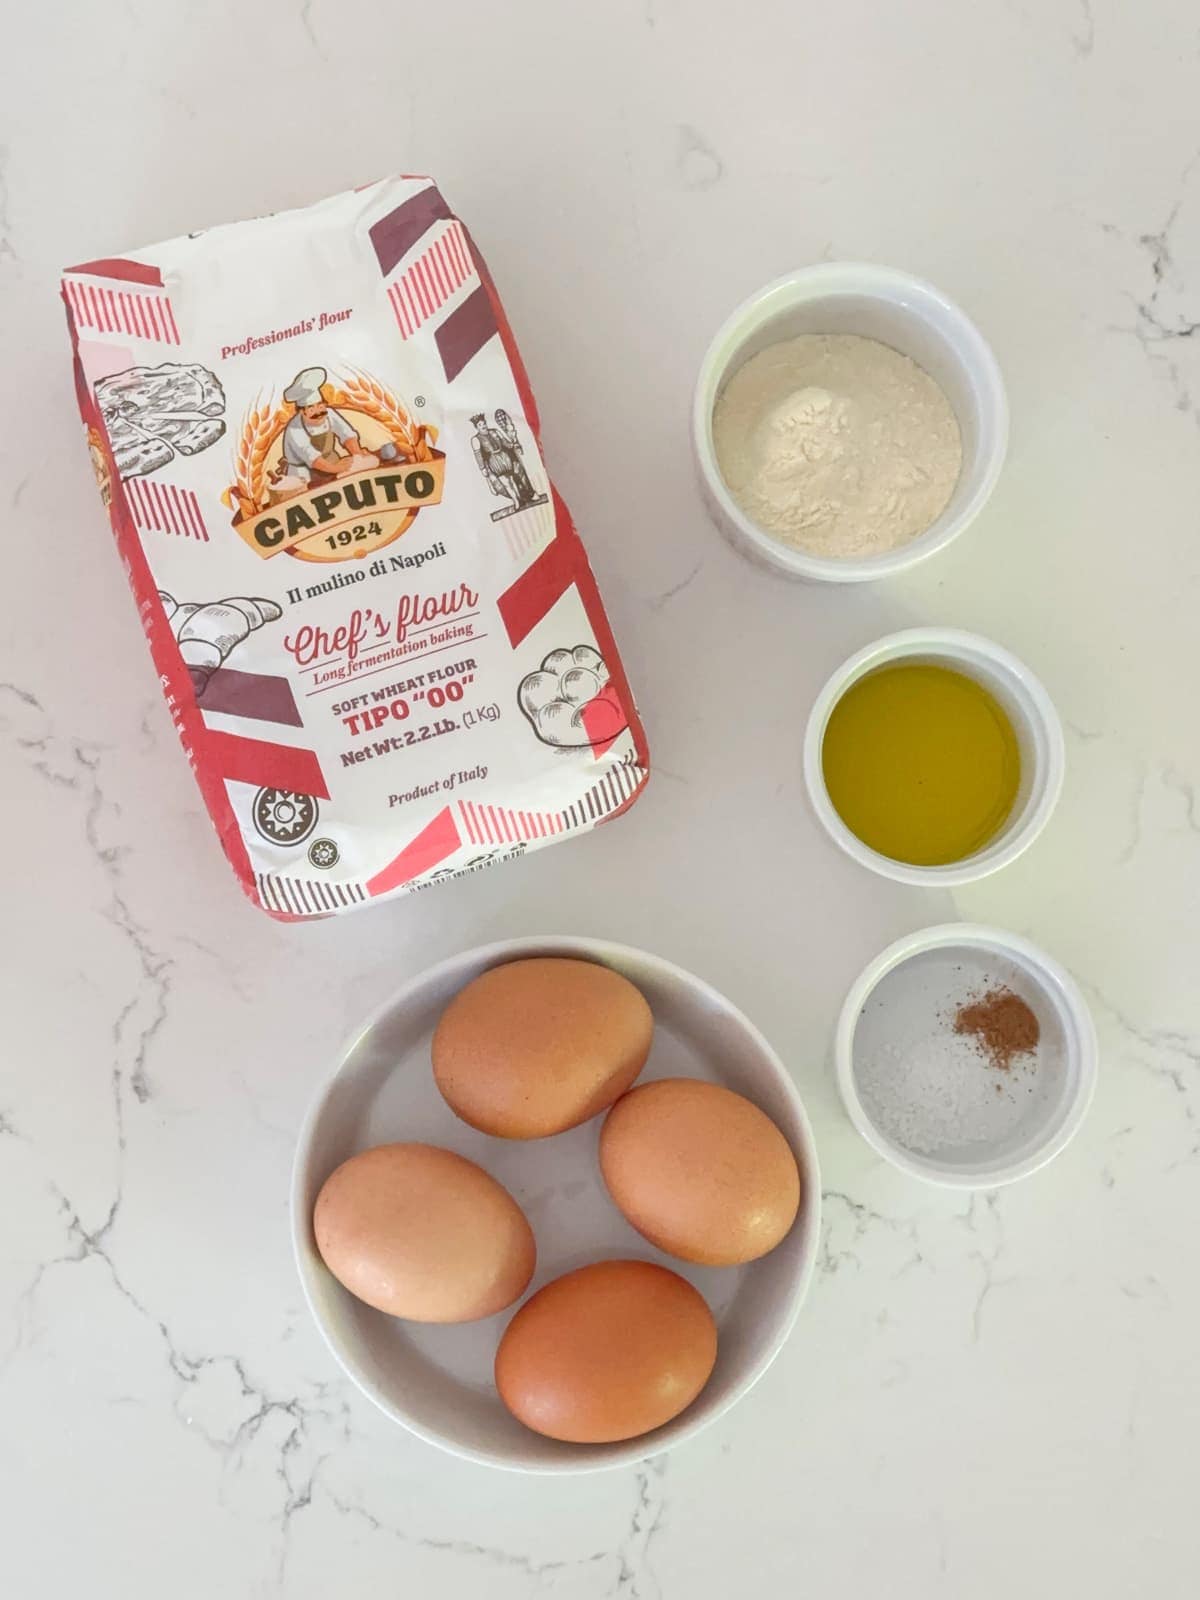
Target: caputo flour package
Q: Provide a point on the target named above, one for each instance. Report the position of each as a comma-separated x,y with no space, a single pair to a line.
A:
371,614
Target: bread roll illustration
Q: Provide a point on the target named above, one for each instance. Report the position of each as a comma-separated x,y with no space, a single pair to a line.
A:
570,700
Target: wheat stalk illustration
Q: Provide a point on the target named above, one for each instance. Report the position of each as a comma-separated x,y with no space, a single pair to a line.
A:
362,393
259,430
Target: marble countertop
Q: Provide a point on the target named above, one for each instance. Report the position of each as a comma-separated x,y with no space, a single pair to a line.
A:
984,1396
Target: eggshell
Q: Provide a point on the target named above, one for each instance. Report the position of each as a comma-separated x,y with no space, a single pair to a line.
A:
607,1352
422,1233
700,1171
533,1047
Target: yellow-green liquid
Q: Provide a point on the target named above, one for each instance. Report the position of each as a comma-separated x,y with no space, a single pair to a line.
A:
922,763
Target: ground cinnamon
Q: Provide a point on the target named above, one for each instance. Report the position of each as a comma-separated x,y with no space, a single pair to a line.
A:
1002,1025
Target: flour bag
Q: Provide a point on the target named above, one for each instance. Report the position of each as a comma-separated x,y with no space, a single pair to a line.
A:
372,617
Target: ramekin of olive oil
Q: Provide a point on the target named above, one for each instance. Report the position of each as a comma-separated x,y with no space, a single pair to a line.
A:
934,756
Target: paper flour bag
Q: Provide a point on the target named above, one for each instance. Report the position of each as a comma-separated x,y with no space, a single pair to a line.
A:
374,622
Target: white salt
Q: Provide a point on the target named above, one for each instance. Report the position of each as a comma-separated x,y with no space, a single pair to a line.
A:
936,1092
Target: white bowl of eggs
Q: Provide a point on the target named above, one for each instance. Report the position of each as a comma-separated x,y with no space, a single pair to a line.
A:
558,1206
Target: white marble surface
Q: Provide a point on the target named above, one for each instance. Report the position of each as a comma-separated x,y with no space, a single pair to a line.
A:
983,1397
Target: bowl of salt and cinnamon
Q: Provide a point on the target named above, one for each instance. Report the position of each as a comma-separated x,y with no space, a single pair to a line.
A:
849,421
965,1056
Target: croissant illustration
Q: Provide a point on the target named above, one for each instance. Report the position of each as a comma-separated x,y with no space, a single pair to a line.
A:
208,632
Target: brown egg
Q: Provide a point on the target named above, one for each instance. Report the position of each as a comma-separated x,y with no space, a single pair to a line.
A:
700,1171
532,1047
606,1352
423,1233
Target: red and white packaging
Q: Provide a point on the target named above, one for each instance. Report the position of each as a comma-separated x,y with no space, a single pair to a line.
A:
373,619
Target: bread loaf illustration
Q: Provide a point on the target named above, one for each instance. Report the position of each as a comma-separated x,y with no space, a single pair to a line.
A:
208,632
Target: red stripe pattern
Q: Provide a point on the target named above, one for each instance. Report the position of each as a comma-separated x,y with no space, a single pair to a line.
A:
164,508
136,311
439,272
306,897
497,825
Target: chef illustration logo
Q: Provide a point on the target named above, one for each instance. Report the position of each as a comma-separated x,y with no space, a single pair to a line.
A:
500,456
333,472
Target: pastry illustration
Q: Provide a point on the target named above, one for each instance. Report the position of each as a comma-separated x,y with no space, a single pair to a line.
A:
152,412
208,632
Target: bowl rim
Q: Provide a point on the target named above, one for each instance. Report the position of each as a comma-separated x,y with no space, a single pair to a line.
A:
823,280
981,936
800,1134
957,644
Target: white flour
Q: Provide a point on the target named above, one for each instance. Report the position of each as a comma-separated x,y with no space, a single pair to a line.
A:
837,444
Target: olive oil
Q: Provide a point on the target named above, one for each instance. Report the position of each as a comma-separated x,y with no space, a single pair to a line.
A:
921,762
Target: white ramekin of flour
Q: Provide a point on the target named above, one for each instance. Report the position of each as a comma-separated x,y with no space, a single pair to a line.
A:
854,414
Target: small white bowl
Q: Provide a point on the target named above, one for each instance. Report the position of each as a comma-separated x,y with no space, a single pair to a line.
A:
909,315
1053,1106
437,1381
1034,721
